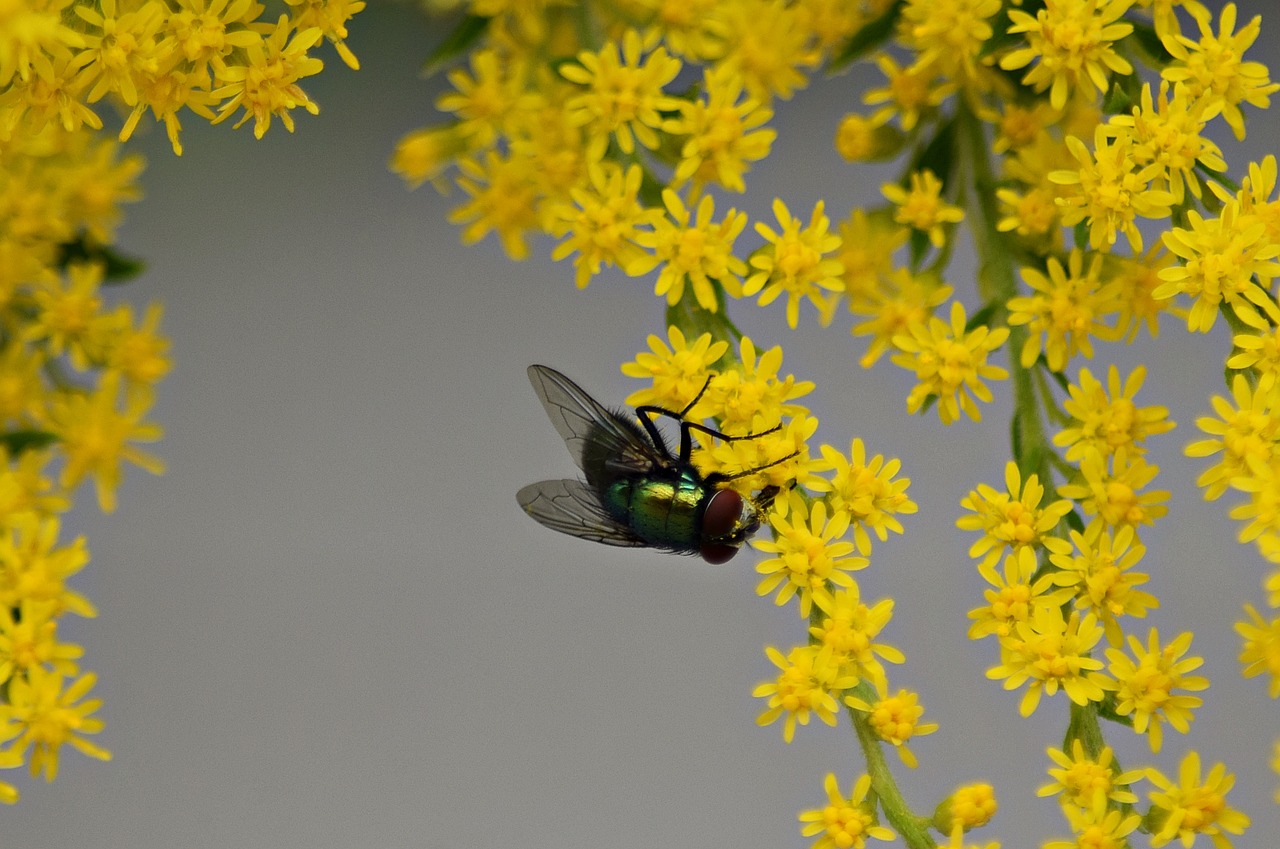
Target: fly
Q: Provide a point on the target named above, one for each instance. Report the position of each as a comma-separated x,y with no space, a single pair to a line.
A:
637,492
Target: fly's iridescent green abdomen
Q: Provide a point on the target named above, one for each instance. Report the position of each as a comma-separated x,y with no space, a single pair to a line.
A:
637,493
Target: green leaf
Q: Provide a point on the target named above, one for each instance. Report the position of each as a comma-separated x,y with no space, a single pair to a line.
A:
464,36
1149,44
18,441
939,156
117,267
868,38
982,316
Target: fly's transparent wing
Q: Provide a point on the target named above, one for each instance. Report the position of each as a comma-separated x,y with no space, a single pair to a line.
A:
571,507
581,421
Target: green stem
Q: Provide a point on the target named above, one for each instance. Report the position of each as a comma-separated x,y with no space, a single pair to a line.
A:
914,830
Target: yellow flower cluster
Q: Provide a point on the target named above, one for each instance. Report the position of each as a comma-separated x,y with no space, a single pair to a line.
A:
58,58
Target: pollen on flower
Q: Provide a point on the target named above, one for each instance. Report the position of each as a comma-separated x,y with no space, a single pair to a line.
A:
1242,434
1071,43
1015,595
725,132
1144,684
1101,575
605,221
1111,489
696,251
848,627
895,720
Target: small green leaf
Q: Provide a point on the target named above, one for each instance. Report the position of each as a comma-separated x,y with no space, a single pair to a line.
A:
1149,44
18,441
464,35
117,268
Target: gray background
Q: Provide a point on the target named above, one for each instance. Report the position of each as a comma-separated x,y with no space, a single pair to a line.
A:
329,625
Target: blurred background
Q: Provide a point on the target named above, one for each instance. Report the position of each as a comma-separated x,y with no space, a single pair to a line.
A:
330,625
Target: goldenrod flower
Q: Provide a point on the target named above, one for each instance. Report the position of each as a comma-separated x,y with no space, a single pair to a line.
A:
798,261
504,198
267,84
1096,824
1050,652
1260,648
950,363
1194,806
1213,68
1015,595
484,98
1071,43
780,456
921,207
623,96
1221,256
811,553
895,301
97,437
1137,279
868,492
726,131
770,44
1249,429
1167,132
1082,780
678,372
69,318
697,251
970,806
844,822
848,627
1010,520
331,16
911,93
693,29
43,716
139,353
807,683
1110,488
862,138
896,719
1144,684
34,567
1110,189
949,36
29,638
1067,308
755,390
605,221
1259,351
1106,420
1100,575
423,155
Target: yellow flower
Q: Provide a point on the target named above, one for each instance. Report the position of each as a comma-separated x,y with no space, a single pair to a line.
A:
267,84
805,687
895,301
1259,351
780,456
69,317
33,567
921,207
678,373
1260,648
140,354
860,138
1221,257
844,822
866,491
1248,430
911,92
603,225
1066,310
484,99
1111,188
753,390
1193,806
28,638
767,44
331,17
1100,575
423,155
949,36
895,720
848,628
1111,489
1014,596
810,552
623,96
950,364
1106,420
1214,69
1010,520
1083,779
96,436
44,716
796,261
1072,41
725,131
1052,652
1167,132
1096,824
697,251
1144,684
1137,279
504,198
969,807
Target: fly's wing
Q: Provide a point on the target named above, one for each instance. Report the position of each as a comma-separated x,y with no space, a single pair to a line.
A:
571,507
582,421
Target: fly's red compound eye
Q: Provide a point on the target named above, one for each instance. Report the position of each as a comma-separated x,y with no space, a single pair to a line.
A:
723,512
716,553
